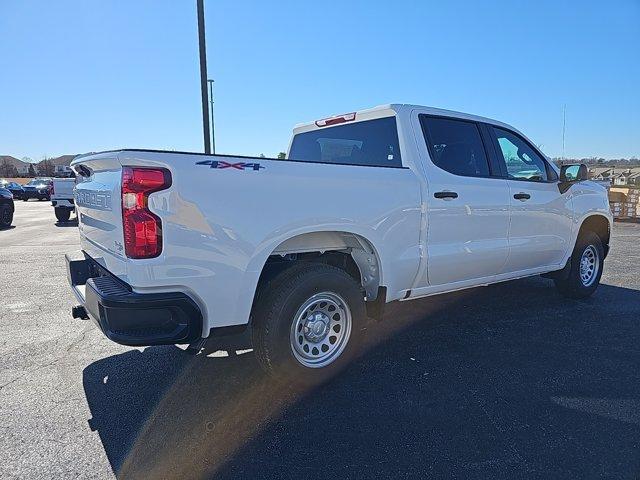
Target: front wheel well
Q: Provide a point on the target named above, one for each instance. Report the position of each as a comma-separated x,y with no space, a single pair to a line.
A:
599,225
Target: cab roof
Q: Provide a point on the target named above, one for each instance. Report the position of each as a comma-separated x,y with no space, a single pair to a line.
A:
396,109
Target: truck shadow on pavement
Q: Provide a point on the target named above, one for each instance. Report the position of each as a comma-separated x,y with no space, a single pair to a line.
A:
71,223
506,381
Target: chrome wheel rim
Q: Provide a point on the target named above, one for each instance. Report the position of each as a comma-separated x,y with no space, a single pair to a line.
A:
320,330
589,266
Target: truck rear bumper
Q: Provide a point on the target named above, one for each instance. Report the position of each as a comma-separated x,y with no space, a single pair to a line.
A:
64,203
131,318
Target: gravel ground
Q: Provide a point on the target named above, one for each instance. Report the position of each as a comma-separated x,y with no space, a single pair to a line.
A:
508,381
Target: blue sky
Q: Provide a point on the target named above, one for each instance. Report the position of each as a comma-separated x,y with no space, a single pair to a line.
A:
88,75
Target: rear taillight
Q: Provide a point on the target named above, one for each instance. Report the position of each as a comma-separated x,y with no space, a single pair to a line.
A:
51,191
142,229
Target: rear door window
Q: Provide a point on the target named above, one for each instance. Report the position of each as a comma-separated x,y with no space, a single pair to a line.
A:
456,146
368,143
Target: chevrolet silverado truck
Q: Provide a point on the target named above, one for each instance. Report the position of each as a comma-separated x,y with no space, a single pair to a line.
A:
397,202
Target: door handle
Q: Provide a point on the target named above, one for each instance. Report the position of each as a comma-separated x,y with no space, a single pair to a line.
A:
522,196
446,195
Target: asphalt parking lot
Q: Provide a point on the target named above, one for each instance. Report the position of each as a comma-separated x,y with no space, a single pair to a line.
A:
508,381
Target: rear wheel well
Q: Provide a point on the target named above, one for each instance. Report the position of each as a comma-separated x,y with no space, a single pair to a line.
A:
277,264
600,226
349,252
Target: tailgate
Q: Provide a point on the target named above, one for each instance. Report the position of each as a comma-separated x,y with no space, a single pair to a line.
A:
63,188
98,205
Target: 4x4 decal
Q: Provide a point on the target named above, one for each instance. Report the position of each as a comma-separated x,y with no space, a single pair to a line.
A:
237,165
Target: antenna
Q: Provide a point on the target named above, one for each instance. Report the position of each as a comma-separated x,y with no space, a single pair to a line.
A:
564,126
213,133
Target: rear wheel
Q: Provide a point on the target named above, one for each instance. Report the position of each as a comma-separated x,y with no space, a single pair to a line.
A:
6,216
63,214
586,263
309,323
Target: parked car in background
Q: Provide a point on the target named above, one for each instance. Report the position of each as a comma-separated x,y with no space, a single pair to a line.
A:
6,208
62,198
15,188
39,188
394,203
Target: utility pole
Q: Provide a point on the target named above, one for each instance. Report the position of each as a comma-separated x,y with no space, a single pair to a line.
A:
203,76
213,130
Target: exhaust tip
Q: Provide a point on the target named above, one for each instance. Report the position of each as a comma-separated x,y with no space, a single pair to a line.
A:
79,312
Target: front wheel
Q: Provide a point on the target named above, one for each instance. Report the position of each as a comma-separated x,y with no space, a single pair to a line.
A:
309,323
62,214
586,263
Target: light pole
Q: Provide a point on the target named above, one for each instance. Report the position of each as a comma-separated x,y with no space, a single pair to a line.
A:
213,130
203,75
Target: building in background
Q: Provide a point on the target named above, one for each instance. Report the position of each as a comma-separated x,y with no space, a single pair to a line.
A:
7,163
619,176
55,167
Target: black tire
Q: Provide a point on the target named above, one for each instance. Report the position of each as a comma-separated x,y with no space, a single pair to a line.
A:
62,214
575,286
25,199
6,216
278,308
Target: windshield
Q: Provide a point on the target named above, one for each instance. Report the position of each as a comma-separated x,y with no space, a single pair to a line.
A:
38,181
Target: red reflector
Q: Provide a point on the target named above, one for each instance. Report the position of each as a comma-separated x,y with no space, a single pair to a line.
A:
142,229
347,117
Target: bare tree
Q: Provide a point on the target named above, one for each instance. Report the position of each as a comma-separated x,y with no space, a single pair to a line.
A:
46,168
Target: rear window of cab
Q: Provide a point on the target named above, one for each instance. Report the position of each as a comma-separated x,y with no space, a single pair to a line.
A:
371,143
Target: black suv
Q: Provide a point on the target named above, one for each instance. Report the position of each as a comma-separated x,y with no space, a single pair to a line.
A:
39,188
6,208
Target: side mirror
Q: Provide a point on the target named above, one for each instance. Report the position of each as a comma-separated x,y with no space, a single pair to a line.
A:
574,173
570,174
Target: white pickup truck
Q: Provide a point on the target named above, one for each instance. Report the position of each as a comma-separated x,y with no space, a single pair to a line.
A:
393,203
62,198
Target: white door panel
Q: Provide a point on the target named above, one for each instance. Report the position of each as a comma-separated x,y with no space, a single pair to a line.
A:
467,237
540,229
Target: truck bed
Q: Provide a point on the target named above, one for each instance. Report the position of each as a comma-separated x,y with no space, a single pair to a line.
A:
223,216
